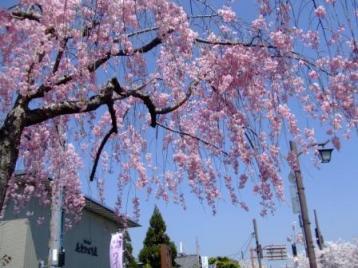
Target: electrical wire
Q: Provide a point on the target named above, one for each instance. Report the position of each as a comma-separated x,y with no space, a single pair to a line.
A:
245,245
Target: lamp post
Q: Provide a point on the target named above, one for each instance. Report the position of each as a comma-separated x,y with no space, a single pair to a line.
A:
325,155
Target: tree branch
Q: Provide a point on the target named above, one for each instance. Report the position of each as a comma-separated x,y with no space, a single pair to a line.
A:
194,137
135,93
40,92
94,66
114,129
21,15
145,48
173,108
295,55
153,111
39,115
150,105
59,55
233,43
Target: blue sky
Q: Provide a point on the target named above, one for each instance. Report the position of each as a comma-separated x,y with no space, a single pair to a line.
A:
332,190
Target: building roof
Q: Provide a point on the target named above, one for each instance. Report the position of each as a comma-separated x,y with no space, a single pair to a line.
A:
109,214
188,261
96,208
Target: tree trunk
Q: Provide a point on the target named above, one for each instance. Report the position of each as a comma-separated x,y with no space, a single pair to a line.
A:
10,136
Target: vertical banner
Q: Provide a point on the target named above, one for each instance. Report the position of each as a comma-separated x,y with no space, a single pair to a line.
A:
116,251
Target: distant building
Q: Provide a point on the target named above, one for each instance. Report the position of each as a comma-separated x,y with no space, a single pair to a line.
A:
24,243
204,261
188,261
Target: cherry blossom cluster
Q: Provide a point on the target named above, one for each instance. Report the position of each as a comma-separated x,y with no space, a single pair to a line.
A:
337,254
183,103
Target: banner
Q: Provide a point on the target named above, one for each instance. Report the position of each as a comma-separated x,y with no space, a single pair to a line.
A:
116,251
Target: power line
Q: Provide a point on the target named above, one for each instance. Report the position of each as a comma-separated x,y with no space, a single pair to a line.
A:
245,245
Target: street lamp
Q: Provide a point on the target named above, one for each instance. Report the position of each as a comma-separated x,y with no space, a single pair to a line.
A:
325,156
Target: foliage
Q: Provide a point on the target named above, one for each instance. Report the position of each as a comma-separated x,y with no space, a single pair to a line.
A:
112,82
150,253
224,262
335,255
128,258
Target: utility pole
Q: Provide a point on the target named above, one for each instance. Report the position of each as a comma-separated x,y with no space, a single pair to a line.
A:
258,246
319,236
56,252
304,210
56,256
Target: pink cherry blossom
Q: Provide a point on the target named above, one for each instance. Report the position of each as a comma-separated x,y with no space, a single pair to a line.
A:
320,11
183,99
227,14
338,254
259,23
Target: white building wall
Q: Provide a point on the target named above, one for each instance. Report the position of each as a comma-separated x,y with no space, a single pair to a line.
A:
16,245
92,234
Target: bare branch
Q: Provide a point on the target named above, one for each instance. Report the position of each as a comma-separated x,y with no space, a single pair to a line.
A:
150,105
59,55
295,55
112,112
21,15
146,30
43,88
233,43
114,129
39,115
135,93
173,108
203,16
153,111
145,48
103,143
194,137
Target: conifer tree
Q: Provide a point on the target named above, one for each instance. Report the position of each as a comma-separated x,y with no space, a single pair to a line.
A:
150,253
129,260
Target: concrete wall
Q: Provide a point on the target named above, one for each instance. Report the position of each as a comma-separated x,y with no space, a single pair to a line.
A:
86,244
92,235
16,244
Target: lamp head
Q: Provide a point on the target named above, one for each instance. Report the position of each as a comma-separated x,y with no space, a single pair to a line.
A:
325,155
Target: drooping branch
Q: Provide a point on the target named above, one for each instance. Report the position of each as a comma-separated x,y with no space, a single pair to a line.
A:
59,55
153,111
143,49
40,92
93,66
193,137
233,43
294,55
179,104
113,130
150,105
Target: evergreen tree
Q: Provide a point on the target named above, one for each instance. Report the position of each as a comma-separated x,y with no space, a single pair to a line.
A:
128,258
150,253
224,262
